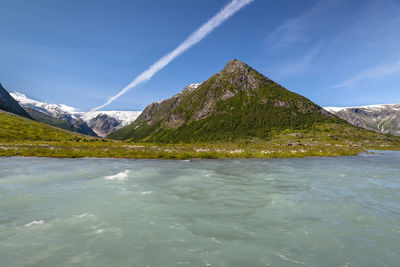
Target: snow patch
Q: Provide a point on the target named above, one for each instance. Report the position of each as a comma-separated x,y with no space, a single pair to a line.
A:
193,86
334,109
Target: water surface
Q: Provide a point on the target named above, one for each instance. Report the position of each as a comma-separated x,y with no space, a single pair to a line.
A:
285,212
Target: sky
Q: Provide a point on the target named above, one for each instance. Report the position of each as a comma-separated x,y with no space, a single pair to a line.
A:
82,52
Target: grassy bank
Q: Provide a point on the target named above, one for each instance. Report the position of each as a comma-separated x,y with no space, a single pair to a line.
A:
152,151
319,142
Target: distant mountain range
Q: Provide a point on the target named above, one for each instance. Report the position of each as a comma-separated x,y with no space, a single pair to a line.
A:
98,123
379,118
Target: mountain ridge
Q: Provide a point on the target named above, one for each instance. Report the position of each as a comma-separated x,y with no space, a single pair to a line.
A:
383,118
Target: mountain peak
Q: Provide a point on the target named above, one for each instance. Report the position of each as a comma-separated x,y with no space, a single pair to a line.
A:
236,65
242,76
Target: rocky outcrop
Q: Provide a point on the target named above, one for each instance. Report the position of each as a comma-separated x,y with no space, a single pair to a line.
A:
103,125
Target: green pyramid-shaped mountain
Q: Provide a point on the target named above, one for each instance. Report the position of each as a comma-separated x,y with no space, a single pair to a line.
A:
237,103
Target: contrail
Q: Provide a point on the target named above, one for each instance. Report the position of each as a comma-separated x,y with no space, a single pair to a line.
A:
228,11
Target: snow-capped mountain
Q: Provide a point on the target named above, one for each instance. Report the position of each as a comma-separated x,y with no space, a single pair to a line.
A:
58,111
100,123
62,116
383,118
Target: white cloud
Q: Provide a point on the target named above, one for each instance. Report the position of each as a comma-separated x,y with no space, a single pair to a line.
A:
228,11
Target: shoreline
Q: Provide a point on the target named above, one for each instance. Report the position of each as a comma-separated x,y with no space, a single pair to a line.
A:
179,152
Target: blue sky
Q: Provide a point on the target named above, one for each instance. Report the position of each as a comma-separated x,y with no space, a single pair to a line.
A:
79,53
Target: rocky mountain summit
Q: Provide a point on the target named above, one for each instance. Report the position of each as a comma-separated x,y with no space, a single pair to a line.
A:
234,104
378,118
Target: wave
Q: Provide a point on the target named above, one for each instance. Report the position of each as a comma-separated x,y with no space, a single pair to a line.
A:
283,257
83,215
122,176
34,223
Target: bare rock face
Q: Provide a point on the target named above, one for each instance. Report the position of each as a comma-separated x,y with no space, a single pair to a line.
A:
103,125
240,75
227,94
378,118
281,104
175,120
207,109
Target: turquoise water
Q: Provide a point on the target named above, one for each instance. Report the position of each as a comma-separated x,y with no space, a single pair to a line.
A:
284,212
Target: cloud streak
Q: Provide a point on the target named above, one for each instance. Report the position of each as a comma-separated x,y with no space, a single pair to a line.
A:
228,11
297,66
376,72
303,29
297,41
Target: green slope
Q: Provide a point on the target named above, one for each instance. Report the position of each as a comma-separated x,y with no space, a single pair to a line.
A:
235,104
42,117
14,128
82,127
